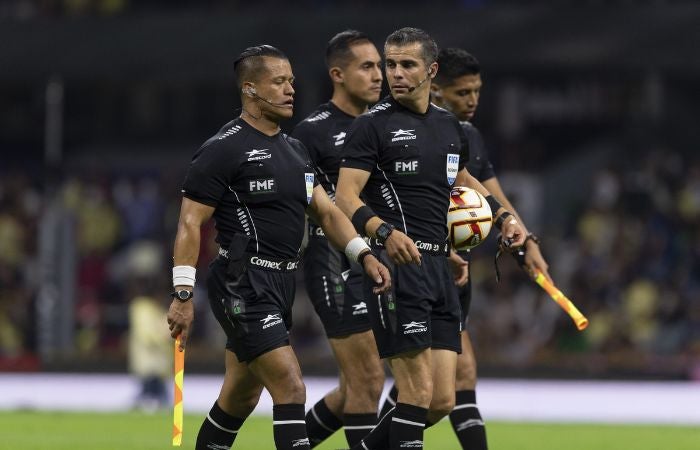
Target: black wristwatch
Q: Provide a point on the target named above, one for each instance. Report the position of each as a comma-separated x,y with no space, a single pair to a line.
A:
182,294
383,232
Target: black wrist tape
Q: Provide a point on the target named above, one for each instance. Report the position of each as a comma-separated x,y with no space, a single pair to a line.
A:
493,204
363,255
502,218
361,217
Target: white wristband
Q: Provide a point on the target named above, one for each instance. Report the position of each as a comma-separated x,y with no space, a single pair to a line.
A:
356,246
184,275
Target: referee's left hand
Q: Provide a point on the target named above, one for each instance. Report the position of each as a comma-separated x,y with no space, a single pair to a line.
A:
378,273
513,233
180,318
534,260
460,268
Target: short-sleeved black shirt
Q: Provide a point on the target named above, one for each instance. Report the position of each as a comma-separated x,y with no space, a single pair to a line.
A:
413,160
479,165
260,186
323,134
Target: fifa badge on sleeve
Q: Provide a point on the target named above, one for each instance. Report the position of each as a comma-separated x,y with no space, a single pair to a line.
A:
309,178
452,167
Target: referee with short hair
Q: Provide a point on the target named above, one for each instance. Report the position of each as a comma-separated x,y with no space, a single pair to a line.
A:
257,183
335,284
457,88
404,156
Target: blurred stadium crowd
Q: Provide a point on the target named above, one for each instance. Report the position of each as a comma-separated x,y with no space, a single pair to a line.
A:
629,259
593,135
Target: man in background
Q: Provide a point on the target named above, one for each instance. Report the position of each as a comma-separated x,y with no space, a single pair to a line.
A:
335,284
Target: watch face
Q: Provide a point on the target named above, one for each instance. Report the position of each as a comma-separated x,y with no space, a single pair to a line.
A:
383,231
184,294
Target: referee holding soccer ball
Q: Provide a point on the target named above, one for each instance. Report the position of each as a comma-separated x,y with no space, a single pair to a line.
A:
405,155
257,183
456,88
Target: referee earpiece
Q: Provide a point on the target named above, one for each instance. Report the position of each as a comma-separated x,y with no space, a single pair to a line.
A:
250,91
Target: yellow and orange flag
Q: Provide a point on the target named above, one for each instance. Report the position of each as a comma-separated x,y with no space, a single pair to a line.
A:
177,397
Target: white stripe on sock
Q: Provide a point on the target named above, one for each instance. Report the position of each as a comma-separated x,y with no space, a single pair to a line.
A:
219,426
288,422
359,427
408,422
464,405
313,413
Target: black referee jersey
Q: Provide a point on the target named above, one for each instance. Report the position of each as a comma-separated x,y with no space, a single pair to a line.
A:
323,134
260,186
479,164
413,160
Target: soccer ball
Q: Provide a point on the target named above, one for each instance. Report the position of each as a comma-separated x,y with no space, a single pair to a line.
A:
468,219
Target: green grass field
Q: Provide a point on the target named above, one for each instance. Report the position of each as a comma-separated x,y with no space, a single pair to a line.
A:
132,431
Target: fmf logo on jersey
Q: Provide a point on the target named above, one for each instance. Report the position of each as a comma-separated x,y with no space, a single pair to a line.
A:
414,327
406,167
339,138
258,154
262,185
403,135
452,167
309,180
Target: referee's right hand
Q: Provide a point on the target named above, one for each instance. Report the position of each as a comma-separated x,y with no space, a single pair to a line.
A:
180,318
401,249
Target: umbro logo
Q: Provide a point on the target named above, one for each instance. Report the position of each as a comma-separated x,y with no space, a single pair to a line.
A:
258,154
414,327
339,138
345,273
271,320
403,135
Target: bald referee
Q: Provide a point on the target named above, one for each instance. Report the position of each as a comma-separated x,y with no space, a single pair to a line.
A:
257,183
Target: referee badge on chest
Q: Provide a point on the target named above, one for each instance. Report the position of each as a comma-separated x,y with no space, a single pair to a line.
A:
452,167
309,179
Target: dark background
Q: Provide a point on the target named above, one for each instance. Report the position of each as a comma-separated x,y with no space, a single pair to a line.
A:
590,110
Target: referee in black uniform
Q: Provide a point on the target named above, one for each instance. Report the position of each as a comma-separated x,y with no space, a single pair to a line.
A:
457,87
405,155
257,183
334,284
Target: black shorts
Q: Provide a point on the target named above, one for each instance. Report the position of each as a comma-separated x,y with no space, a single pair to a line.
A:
465,292
421,311
254,308
335,288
